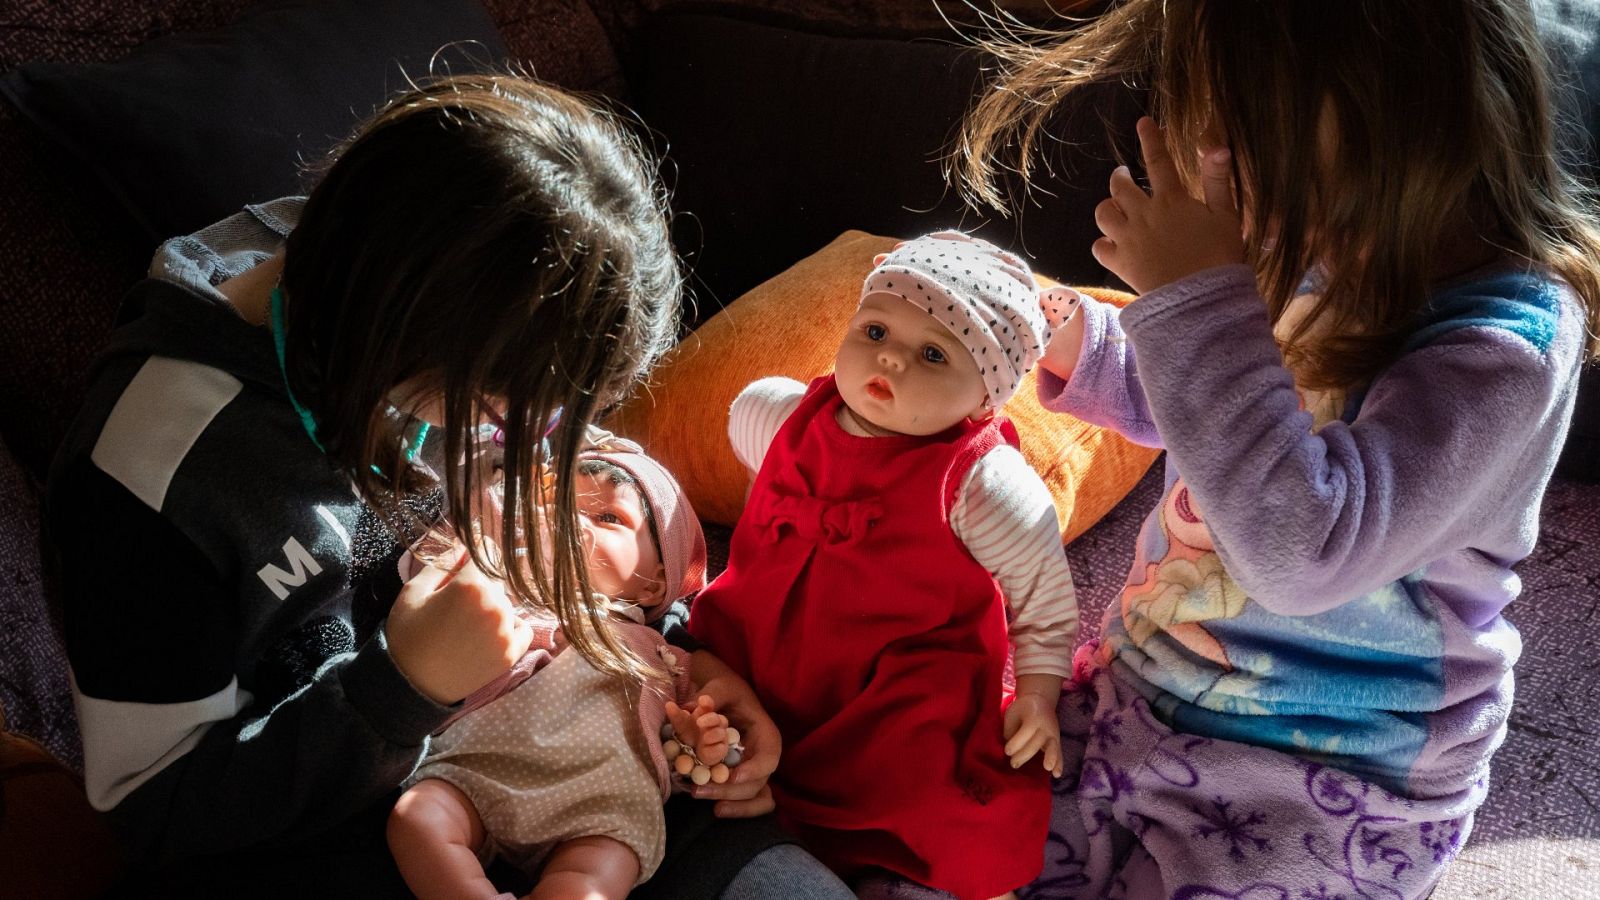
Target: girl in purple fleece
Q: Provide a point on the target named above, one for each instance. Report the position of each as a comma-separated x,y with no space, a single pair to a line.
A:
1299,693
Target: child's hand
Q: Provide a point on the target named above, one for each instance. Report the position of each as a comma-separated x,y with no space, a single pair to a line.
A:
1154,239
1031,724
746,792
451,632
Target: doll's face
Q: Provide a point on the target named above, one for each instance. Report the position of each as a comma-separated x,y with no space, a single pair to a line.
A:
621,555
901,372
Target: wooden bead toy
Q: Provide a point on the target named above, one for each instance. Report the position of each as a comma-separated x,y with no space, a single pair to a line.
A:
712,761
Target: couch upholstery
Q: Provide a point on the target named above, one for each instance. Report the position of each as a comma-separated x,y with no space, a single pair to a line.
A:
68,260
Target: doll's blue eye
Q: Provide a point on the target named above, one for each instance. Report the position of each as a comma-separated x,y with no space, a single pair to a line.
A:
876,332
933,354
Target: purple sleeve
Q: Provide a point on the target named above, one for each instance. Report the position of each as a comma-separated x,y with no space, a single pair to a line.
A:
1104,389
1305,521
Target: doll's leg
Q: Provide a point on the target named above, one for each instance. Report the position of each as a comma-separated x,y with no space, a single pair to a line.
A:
588,868
434,834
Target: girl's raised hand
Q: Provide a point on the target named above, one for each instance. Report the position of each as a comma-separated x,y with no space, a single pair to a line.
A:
451,631
1154,239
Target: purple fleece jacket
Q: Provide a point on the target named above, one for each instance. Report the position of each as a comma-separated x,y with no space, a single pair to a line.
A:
1333,592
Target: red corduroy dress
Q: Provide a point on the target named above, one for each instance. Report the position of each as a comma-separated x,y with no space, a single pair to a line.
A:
878,644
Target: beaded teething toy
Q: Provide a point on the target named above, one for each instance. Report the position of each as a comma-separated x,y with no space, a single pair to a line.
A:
683,760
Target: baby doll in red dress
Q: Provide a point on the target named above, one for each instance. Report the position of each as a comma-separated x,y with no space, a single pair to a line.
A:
895,551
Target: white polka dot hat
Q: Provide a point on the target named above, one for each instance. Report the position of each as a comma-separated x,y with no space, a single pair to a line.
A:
985,296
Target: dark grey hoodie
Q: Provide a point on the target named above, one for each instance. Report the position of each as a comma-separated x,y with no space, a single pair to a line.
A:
224,588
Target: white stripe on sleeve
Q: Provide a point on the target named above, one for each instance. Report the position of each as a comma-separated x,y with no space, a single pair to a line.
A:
126,744
1007,520
757,414
159,416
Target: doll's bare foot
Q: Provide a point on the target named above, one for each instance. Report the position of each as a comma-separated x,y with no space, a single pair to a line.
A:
702,729
712,746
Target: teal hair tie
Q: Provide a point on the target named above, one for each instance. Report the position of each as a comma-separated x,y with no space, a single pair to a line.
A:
307,421
414,446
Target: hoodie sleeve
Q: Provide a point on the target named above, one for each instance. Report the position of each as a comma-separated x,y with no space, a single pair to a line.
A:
1450,449
1105,388
183,759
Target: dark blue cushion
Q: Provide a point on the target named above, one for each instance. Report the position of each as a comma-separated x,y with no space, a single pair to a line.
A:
189,127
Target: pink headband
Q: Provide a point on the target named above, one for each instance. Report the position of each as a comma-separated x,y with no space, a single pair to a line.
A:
986,297
681,542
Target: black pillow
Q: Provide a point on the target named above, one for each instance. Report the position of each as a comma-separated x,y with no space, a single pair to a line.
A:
779,139
188,128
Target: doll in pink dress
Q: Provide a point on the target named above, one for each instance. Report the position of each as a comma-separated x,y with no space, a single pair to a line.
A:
557,767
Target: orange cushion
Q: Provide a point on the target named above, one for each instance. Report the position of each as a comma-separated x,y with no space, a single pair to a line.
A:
791,325
52,844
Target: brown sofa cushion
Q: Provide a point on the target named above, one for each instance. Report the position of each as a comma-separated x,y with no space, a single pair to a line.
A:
189,127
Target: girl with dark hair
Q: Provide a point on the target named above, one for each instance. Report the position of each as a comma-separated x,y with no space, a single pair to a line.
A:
288,405
1366,290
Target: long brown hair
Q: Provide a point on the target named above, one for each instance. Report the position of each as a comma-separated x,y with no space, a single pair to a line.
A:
495,238
1441,126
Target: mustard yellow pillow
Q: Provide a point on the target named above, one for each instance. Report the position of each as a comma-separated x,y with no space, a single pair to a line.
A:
791,325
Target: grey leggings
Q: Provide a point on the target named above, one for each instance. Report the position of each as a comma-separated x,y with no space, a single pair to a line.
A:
786,871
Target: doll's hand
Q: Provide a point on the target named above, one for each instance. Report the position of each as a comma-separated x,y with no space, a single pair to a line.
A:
746,792
1154,239
1060,307
702,728
1031,724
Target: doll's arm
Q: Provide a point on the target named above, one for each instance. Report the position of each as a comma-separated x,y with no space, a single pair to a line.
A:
757,414
700,745
434,833
1031,726
1006,519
